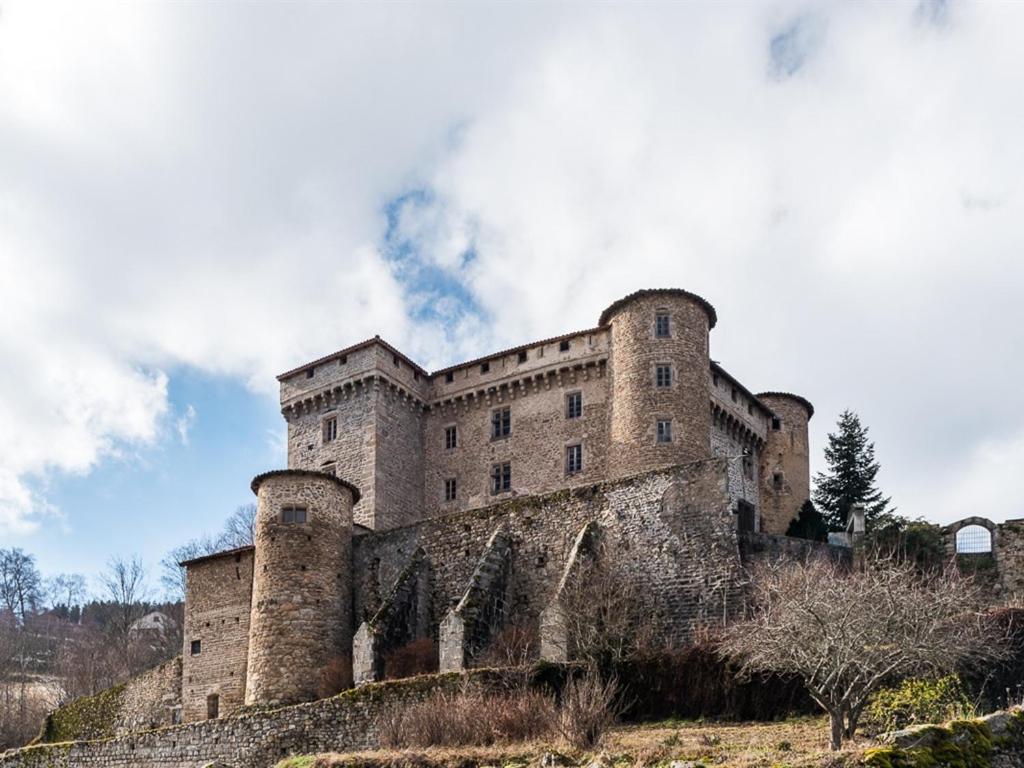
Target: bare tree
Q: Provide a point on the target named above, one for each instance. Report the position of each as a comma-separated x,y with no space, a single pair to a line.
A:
239,528
846,632
67,589
124,582
21,586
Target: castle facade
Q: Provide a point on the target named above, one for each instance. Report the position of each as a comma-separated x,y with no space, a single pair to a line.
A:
448,504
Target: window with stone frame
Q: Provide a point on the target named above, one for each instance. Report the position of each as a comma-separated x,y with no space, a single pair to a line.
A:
663,375
574,405
501,423
523,356
292,514
449,377
212,706
196,647
501,477
664,430
451,437
776,423
662,327
573,459
563,345
330,428
450,489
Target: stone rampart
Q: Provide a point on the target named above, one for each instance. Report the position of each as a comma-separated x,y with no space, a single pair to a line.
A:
251,738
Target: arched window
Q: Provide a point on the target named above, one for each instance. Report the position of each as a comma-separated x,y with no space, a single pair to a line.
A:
973,540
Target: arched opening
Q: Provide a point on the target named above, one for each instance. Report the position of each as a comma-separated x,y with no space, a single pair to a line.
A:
973,540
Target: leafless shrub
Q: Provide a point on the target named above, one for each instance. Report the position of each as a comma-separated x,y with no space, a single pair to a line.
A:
336,676
420,657
514,646
846,632
590,706
469,718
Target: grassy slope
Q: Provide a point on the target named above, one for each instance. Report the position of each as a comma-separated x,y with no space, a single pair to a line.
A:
798,743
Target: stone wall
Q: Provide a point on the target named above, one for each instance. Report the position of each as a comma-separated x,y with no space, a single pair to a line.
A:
743,471
398,459
218,596
786,456
536,446
673,530
251,739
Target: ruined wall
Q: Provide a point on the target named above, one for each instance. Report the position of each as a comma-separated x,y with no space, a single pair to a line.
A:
218,594
680,550
1008,546
535,448
743,474
301,615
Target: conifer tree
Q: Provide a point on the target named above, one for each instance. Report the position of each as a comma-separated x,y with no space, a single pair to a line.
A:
810,524
851,477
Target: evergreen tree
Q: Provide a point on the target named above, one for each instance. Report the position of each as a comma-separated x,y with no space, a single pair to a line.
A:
809,524
851,477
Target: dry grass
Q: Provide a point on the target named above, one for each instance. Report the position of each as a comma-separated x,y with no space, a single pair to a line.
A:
797,743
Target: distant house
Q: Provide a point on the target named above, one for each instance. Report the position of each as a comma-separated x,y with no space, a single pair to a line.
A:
154,622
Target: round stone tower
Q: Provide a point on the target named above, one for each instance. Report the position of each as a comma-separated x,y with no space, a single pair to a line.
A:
785,461
301,615
654,331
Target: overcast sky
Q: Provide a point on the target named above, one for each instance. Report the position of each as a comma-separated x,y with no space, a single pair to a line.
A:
196,197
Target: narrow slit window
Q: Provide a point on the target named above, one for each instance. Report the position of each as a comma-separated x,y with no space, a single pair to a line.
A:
451,489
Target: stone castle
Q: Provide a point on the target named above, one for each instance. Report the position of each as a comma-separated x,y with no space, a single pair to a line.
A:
450,506
416,502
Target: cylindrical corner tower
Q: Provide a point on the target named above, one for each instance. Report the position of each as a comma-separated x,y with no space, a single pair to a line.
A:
301,616
785,461
659,375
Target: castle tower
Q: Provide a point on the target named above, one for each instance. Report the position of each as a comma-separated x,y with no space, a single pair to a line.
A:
301,615
654,331
785,461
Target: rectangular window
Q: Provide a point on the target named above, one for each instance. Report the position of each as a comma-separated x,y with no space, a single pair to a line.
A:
501,423
449,377
450,489
330,429
745,517
776,423
664,430
212,706
714,379
735,397
293,515
522,356
750,408
778,481
663,375
310,372
394,359
343,359
196,647
748,467
574,405
501,477
573,459
451,437
563,346
485,367
661,326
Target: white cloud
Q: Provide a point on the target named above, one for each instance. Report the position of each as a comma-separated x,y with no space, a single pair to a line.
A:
184,423
206,185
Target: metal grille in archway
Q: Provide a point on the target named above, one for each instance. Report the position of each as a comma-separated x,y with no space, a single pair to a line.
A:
973,540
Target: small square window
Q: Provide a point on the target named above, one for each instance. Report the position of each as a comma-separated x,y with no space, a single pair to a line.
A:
776,423
196,647
501,423
663,375
451,437
450,489
563,346
342,360
501,477
574,405
522,356
485,367
661,325
330,429
449,377
293,515
310,372
573,459
664,429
